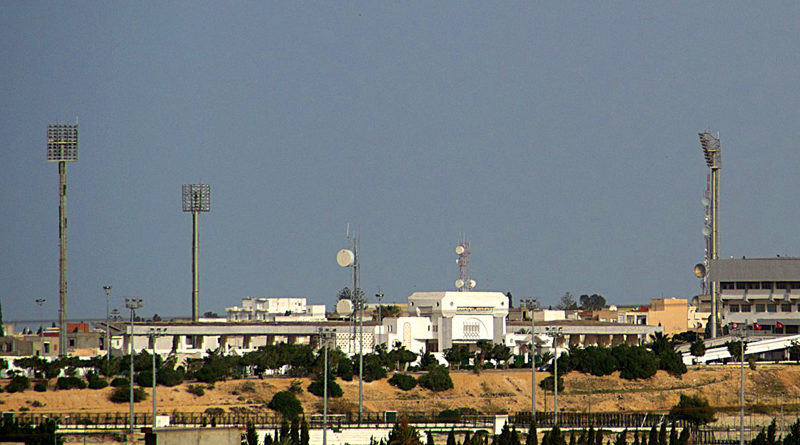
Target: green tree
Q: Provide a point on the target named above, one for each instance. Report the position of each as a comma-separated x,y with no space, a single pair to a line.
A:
305,437
592,302
437,379
2,326
698,348
457,355
429,438
532,438
662,434
451,437
660,342
286,403
251,435
694,409
622,438
567,302
403,434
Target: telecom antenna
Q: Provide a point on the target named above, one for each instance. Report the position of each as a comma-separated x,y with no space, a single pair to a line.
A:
62,147
463,283
196,199
349,258
713,156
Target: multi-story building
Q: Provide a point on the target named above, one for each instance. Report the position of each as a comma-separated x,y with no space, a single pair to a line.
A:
276,309
765,291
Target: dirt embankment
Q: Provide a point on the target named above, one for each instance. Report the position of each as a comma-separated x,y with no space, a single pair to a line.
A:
492,391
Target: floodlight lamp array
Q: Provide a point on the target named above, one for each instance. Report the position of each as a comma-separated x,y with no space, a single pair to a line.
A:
196,197
711,149
62,142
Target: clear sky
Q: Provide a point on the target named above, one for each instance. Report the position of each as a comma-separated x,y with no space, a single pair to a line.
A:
560,137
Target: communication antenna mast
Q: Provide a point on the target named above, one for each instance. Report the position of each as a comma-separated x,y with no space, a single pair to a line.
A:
196,199
463,283
62,147
349,258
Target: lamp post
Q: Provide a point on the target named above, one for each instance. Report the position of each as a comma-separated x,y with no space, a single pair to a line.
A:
532,304
556,333
132,304
325,334
154,333
107,290
40,302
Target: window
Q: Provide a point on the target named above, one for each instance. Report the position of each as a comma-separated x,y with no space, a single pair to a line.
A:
745,308
786,308
727,285
772,308
760,308
766,285
71,342
471,330
733,308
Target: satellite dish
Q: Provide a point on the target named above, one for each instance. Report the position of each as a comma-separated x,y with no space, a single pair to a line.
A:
706,230
472,284
459,283
705,201
458,260
699,270
345,258
344,307
460,249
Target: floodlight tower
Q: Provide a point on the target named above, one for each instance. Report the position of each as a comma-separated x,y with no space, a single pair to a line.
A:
62,147
196,199
713,156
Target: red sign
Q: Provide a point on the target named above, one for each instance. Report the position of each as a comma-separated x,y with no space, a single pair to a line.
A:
756,326
778,325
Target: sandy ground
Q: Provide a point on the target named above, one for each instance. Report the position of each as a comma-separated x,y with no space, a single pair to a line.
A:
493,391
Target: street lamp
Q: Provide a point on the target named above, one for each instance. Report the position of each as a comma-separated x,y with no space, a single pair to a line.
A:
132,304
532,304
40,302
556,333
107,290
325,334
154,333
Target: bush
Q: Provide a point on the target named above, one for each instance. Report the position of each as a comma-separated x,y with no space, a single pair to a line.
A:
169,376
344,369
635,362
144,378
547,383
455,414
593,360
196,390
694,409
437,379
70,383
287,404
96,382
121,394
672,362
317,387
120,381
403,381
18,383
40,387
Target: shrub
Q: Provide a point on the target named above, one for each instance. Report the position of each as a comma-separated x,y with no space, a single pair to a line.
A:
593,360
40,387
635,362
694,409
121,394
196,390
169,377
96,382
287,404
455,414
296,386
144,378
317,387
437,379
373,368
18,383
547,383
672,362
70,383
403,381
344,369
120,381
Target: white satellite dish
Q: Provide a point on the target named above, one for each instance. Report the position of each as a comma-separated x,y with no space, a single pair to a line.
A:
706,230
458,260
344,307
472,284
459,283
705,201
460,249
345,258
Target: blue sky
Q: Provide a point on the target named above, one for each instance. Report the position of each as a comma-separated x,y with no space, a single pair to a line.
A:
560,137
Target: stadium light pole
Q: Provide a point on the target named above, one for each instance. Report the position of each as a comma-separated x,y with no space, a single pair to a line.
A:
132,304
532,304
107,290
154,333
713,156
196,199
62,147
556,333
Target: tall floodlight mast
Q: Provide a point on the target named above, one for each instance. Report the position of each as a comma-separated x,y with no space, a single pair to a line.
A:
196,200
62,147
713,156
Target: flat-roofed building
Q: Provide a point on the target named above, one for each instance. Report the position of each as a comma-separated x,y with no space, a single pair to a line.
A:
276,309
765,291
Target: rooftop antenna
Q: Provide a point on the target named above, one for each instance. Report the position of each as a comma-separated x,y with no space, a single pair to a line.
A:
463,283
62,147
196,199
349,258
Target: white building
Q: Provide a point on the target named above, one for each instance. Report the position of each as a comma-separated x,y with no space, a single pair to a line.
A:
276,309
